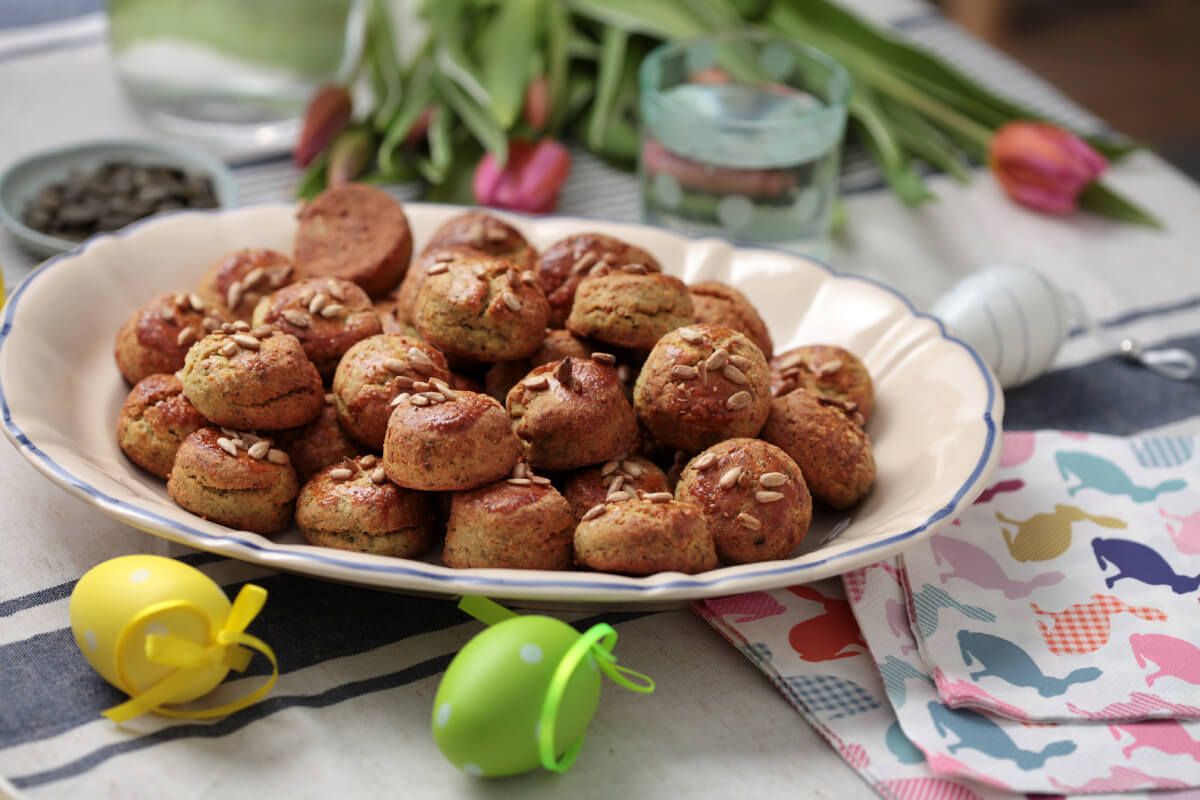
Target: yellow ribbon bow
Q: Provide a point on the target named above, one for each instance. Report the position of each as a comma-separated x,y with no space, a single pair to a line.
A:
229,649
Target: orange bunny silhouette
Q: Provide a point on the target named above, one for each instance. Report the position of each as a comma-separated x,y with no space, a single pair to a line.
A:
1085,627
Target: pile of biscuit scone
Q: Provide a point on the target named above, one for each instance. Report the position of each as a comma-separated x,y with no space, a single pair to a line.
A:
574,407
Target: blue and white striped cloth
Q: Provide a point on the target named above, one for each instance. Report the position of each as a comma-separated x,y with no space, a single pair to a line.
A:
351,713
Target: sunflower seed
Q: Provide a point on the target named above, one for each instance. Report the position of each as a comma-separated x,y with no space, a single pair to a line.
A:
419,400
766,496
420,360
540,480
241,325
520,470
438,268
610,467
829,367
529,277
181,300
229,349
520,481
636,269
516,411
434,397
166,313
705,461
258,451
340,474
227,445
792,360
297,318
317,303
702,371
742,363
683,372
394,365
583,263
335,290
277,456
717,359
632,469
251,279
378,475
400,398
730,478
691,335
332,310
421,386
479,271
196,302
599,269
234,295
238,442
614,483
443,387
263,332
278,277
658,497
247,341
604,358
537,383
624,373
442,257
402,382
230,432
618,497
563,373
367,461
739,400
748,521
734,375
186,336
592,513
511,300
209,324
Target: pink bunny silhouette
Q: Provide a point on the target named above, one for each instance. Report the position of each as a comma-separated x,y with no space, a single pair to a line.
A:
1174,657
1164,735
1187,534
1018,448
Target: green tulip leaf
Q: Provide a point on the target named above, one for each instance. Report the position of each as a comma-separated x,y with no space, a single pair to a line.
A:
479,122
1099,199
505,60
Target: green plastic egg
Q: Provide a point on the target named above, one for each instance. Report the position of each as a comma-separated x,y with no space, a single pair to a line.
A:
487,710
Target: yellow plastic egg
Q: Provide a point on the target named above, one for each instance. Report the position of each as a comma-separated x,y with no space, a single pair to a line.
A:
118,603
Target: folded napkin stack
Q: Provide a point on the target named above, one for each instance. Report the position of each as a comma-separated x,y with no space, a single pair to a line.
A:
1045,642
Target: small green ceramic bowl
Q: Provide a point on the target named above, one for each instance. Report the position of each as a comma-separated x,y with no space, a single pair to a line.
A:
25,178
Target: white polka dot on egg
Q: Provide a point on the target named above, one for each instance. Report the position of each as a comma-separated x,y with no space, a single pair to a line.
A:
139,576
531,653
443,715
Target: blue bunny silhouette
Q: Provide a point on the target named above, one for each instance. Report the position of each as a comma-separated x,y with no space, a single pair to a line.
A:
977,732
1003,659
1136,560
1103,475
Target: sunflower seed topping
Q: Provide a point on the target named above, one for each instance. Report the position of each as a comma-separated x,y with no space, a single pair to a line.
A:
520,470
528,277
741,362
276,456
181,300
421,361
247,341
614,483
520,481
691,335
297,318
748,521
829,367
705,461
233,296
227,445
421,386
341,473
210,324
241,325
563,373
767,496
772,480
443,387
253,277
636,269
511,300
419,400
332,310
584,263
367,461
400,398
537,383
592,513
186,336
258,451
229,349
434,397
730,478
718,358
739,400
196,302
632,469
378,476
734,375
618,496
516,411
479,271
402,382
624,373
317,303
604,358
540,480
684,372
658,497
438,267
394,365
166,313
610,467
336,291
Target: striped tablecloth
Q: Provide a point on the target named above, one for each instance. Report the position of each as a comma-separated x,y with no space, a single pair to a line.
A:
350,715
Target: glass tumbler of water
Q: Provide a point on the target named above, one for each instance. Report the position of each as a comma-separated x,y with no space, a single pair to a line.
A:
236,74
741,138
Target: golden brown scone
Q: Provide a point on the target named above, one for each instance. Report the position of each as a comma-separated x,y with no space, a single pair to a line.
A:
827,441
753,497
405,298
318,444
825,370
236,282
722,304
372,373
572,413
629,309
568,261
327,315
589,487
355,232
446,440
481,309
642,537
236,479
701,384
351,505
513,524
252,379
155,339
557,345
154,420
488,233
